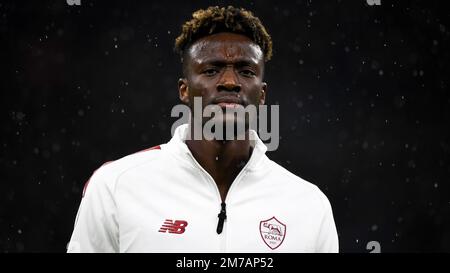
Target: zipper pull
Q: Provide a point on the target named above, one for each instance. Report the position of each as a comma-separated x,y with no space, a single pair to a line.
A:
222,216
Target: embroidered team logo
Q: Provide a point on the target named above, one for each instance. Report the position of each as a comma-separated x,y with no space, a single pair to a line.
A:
272,232
177,226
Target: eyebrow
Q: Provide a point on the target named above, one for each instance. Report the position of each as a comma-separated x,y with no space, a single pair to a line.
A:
222,62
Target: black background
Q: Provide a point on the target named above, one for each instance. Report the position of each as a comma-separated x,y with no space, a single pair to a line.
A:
363,95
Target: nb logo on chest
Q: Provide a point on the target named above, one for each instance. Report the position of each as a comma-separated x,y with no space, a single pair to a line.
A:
170,226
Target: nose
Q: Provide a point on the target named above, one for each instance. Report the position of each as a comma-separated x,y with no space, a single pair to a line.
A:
229,81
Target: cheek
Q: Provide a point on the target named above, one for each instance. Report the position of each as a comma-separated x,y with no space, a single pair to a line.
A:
254,92
196,87
201,88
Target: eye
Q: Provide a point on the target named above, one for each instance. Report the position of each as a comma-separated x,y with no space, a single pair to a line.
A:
210,72
247,73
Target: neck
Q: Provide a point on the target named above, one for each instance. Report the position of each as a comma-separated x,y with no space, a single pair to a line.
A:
223,160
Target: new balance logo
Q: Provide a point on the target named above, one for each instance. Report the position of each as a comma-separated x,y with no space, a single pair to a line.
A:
176,227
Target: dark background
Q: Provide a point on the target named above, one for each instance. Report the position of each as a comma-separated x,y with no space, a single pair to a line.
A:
363,95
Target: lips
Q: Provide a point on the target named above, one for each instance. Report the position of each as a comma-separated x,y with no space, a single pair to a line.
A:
228,101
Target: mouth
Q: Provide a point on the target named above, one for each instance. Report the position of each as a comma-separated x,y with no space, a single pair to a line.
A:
228,102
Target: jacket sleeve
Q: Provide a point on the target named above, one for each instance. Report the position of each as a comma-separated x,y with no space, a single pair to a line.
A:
327,240
96,228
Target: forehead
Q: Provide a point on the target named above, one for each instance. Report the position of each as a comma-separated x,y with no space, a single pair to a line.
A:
227,47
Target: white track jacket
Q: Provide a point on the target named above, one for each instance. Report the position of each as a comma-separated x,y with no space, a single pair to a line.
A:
162,200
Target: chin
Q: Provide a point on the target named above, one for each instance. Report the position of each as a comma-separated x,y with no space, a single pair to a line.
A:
237,127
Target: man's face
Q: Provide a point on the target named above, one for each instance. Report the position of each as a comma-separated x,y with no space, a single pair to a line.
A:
225,69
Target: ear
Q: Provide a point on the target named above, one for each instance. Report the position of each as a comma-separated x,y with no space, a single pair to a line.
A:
183,90
262,98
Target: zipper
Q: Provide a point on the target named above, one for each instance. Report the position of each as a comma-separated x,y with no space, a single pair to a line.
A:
223,213
222,217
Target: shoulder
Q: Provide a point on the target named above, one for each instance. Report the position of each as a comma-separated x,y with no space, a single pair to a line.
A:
107,174
297,186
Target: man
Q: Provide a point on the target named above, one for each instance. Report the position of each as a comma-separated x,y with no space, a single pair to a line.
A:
207,195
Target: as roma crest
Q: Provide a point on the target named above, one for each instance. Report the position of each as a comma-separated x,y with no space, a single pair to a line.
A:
272,232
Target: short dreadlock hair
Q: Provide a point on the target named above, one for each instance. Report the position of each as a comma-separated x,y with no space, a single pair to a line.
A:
216,19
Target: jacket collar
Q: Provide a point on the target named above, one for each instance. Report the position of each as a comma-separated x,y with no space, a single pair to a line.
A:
178,147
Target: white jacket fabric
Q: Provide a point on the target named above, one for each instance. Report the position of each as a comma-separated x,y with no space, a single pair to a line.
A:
162,200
